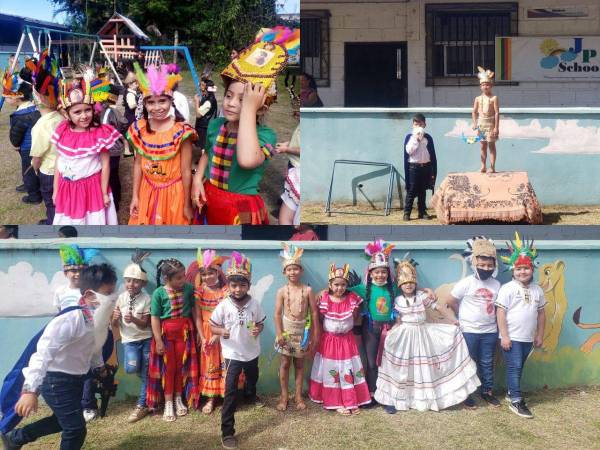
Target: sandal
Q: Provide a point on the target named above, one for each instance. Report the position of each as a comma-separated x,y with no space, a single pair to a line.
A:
209,407
169,414
355,411
180,408
344,412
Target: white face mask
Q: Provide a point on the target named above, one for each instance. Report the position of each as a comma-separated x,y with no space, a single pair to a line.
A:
378,284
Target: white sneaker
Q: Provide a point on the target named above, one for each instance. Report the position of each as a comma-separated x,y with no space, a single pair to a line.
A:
90,414
180,408
169,413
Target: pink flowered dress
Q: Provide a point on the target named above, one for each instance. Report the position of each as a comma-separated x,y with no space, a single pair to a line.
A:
78,168
337,379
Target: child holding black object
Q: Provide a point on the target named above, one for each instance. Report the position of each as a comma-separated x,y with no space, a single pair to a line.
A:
420,167
238,319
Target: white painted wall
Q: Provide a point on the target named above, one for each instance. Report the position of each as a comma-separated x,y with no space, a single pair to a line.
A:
364,21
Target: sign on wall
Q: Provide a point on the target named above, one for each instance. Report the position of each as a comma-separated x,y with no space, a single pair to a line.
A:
548,58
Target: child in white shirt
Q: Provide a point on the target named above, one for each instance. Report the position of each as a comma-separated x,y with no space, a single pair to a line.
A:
74,260
521,320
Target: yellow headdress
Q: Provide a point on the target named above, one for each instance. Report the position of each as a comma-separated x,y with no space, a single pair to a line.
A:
290,255
406,273
77,90
339,272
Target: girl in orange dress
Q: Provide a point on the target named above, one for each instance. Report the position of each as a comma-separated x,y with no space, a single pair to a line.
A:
210,288
162,172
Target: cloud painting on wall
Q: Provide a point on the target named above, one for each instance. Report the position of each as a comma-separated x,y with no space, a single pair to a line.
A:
28,293
567,136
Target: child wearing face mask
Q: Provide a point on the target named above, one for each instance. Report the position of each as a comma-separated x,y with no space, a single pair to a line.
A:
337,378
521,320
74,260
238,320
173,367
162,171
81,192
61,356
424,366
238,146
472,299
132,317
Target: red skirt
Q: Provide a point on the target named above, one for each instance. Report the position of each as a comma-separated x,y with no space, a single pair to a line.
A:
229,208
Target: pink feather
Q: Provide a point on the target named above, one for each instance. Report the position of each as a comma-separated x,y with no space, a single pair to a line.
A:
157,81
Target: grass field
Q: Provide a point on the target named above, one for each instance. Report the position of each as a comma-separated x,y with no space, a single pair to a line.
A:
13,211
314,212
564,418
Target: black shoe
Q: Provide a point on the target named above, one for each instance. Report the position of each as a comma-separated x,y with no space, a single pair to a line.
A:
390,409
470,403
489,397
521,409
32,201
7,443
229,442
43,222
406,217
21,188
372,404
425,216
254,401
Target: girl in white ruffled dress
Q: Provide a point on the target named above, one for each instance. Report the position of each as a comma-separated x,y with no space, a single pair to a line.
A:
424,366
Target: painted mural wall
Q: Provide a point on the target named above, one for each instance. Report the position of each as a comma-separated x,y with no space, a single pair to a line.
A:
30,270
558,148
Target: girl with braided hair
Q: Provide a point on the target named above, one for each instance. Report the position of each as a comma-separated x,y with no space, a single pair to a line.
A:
173,369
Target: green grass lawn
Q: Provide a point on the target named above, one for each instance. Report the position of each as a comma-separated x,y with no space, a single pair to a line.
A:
13,211
564,418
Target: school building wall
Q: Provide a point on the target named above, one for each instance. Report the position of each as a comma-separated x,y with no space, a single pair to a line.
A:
389,21
557,147
30,270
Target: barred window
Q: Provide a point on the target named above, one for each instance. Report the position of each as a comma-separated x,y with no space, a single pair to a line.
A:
314,45
462,36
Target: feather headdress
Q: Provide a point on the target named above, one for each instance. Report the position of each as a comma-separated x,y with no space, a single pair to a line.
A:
485,76
522,253
339,272
135,270
156,81
240,265
378,253
209,258
480,246
74,257
406,271
46,74
10,84
290,255
77,90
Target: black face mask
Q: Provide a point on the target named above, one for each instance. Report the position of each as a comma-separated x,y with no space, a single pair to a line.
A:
484,274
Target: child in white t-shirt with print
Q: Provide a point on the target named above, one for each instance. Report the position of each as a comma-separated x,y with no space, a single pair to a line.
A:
238,319
472,299
132,317
521,320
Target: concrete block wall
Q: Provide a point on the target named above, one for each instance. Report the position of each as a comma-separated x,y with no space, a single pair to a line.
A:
364,21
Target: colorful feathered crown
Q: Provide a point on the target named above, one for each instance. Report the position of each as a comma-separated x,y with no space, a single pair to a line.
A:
209,258
378,253
522,253
102,90
485,76
77,90
406,272
156,81
240,265
339,272
46,75
264,60
10,84
290,255
74,257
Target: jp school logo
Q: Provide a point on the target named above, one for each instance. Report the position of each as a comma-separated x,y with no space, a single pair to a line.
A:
573,59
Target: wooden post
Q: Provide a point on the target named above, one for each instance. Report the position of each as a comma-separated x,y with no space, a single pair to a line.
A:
115,47
175,44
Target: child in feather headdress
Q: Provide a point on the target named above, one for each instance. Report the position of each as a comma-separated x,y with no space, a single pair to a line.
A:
162,141
74,260
486,118
132,317
238,147
81,194
296,324
521,319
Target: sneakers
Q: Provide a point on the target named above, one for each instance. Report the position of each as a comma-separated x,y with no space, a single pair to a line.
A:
180,408
490,399
470,403
90,414
425,216
406,217
521,409
257,402
21,188
138,414
7,442
32,201
229,442
169,412
390,409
